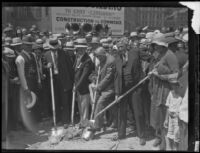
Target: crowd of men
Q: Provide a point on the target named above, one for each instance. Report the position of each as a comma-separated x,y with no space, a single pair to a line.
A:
159,105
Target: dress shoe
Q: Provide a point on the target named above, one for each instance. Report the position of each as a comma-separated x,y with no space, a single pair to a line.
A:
157,142
142,141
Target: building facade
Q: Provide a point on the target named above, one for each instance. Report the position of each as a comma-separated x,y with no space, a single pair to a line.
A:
154,17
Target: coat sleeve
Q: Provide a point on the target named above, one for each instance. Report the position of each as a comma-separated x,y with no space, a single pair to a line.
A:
20,68
110,71
85,75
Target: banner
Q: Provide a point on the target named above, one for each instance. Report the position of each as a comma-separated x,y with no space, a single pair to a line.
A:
112,16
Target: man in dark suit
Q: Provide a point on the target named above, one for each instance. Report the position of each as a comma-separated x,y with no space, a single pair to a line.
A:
63,77
83,68
129,72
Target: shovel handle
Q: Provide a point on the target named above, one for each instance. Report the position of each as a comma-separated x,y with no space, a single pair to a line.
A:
122,96
52,97
95,94
73,105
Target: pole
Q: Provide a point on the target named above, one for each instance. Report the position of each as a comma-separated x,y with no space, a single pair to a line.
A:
95,94
73,105
53,98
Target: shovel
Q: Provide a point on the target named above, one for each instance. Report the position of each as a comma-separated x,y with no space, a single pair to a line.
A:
86,133
55,132
92,122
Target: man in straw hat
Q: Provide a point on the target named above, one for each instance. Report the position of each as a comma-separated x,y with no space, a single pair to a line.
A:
70,49
167,64
63,76
27,72
83,68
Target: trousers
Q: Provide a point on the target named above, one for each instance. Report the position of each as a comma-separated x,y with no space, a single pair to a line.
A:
137,104
104,99
83,105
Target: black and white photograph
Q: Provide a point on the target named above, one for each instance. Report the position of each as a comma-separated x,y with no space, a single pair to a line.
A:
98,78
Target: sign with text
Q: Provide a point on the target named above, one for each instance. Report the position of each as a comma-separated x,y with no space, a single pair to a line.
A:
112,16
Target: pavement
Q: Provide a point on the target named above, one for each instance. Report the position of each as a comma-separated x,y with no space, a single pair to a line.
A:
102,141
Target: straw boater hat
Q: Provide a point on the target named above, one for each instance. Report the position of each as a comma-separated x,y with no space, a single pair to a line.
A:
9,53
16,41
81,43
7,29
69,46
133,34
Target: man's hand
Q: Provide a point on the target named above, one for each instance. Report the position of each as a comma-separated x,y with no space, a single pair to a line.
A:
96,89
15,80
49,65
166,124
27,94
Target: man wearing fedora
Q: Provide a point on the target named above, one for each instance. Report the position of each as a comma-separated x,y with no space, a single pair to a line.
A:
27,72
95,43
63,78
129,74
83,69
69,47
105,88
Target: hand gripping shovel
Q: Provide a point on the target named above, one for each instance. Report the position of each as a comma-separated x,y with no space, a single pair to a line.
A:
86,133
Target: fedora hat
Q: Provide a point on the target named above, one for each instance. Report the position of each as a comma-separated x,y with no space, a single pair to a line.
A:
31,101
36,46
69,46
54,43
16,41
9,53
8,41
27,40
81,43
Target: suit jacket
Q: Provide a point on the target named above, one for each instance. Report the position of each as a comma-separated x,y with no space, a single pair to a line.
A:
82,73
65,68
107,75
134,66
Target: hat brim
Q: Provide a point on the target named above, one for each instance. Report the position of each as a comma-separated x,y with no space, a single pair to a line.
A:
80,46
27,43
17,44
69,48
160,43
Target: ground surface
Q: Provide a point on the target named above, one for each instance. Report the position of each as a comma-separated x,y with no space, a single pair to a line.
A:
102,141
